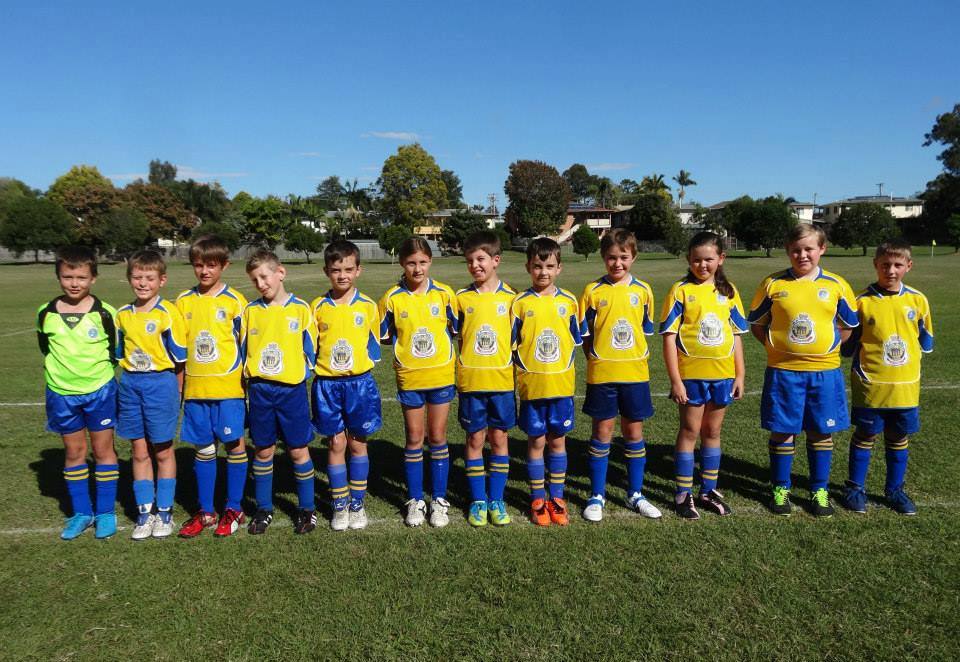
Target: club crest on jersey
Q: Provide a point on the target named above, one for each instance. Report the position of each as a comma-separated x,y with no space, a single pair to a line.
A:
92,332
823,294
634,300
435,310
469,310
205,348
562,310
151,327
801,330
486,341
221,314
603,302
341,356
501,309
422,344
359,319
721,298
691,298
622,336
140,361
529,313
711,331
910,313
547,347
403,314
293,324
895,351
271,359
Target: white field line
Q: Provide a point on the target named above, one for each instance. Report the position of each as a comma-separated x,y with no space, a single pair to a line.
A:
17,333
664,394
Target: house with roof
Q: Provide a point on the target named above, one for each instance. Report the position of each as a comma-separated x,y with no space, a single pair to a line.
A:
900,208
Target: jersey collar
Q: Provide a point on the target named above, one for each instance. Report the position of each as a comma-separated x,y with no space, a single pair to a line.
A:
796,277
329,299
879,291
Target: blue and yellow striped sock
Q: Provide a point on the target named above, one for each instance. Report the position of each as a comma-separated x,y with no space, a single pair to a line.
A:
107,475
635,453
263,483
819,456
499,472
683,471
897,454
339,492
860,451
476,479
359,469
78,487
439,469
166,488
413,471
781,462
236,478
143,495
304,475
557,464
709,468
599,460
535,473
205,469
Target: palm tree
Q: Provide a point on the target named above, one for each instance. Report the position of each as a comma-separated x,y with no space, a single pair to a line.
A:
683,179
654,183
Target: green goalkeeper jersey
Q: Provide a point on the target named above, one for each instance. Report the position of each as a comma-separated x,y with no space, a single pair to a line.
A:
78,348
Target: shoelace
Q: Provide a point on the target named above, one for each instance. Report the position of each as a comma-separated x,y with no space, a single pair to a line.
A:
559,507
822,498
780,496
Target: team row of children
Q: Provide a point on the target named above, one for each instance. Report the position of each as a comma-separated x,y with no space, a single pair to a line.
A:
801,315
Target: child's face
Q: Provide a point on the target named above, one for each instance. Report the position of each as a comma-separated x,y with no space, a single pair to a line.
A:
208,273
415,269
805,254
268,279
76,281
891,269
482,266
618,260
543,273
343,273
704,262
146,283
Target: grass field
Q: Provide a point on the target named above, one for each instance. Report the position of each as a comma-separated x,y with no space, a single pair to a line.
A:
749,586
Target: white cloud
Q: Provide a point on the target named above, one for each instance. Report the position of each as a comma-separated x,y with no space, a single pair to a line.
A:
189,172
391,135
600,167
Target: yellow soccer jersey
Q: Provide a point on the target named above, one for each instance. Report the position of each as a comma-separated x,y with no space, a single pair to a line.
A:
546,333
213,343
486,362
421,327
801,316
616,319
277,341
151,340
705,322
895,331
347,335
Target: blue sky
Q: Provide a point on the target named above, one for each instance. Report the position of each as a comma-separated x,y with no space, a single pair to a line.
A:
752,97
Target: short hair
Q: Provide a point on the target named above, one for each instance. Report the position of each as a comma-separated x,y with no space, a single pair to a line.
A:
412,245
147,260
542,248
801,230
262,257
75,257
209,247
485,241
620,237
897,246
338,250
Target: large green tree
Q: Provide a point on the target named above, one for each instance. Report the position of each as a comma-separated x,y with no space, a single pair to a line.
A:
265,220
863,224
89,197
941,200
166,216
652,217
538,196
454,189
34,224
585,241
656,183
129,230
302,238
330,192
580,181
162,172
761,223
391,236
461,224
411,186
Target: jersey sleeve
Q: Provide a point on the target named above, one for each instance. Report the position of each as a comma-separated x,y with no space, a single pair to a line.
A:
242,334
453,311
388,329
516,322
174,337
925,326
576,328
761,304
648,312
309,335
672,314
738,320
847,306
373,340
588,313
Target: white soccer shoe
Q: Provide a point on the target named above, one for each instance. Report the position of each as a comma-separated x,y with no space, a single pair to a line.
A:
416,512
438,513
341,519
594,510
144,526
163,527
358,518
639,503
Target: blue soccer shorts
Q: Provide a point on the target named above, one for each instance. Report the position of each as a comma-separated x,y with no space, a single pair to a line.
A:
630,400
479,411
148,405
794,401
94,411
898,422
346,403
206,421
279,412
547,416
718,392
430,396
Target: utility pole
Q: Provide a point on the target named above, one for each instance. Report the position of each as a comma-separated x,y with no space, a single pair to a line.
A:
880,186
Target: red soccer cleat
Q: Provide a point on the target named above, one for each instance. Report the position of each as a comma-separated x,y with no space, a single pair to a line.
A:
230,522
194,526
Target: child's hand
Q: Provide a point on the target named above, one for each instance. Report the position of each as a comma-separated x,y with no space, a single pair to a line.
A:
737,392
678,393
